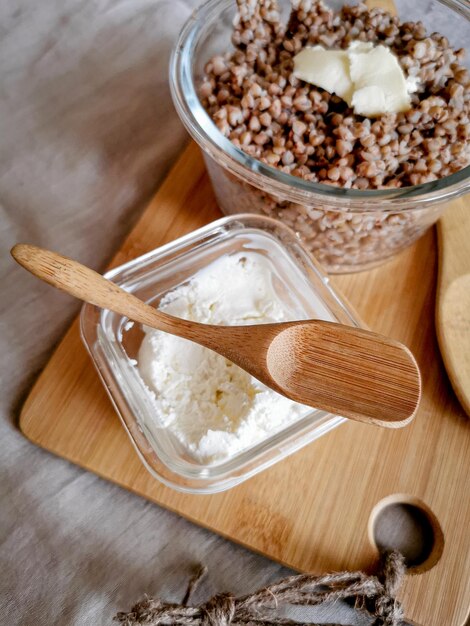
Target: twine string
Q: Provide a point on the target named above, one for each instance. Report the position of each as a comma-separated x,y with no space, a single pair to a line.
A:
374,596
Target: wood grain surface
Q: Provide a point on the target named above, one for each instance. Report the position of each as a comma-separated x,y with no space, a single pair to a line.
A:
311,511
453,298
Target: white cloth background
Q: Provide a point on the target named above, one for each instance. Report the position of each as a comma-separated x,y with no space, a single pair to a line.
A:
87,132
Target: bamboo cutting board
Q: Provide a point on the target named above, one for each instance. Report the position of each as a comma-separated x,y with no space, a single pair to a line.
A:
312,510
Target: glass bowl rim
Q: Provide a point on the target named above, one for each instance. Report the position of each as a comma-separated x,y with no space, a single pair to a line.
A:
292,188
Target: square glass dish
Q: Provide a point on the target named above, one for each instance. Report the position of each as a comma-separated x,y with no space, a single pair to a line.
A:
113,344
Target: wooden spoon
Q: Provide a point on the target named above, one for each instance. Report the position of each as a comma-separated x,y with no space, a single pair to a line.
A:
453,297
344,370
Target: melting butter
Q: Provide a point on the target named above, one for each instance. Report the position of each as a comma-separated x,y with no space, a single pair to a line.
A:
328,69
369,78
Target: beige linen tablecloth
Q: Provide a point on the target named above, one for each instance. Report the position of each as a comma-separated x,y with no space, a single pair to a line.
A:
87,132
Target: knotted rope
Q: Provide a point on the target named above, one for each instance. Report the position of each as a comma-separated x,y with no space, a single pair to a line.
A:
374,596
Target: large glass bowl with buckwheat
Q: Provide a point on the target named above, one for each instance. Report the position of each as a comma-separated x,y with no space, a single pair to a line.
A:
356,190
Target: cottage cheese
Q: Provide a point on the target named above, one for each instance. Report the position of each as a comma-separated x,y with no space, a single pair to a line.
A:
214,408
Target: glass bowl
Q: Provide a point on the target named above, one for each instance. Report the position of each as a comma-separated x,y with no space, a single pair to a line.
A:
347,230
113,344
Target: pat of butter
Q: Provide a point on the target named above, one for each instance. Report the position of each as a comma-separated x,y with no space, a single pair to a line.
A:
368,78
328,69
379,83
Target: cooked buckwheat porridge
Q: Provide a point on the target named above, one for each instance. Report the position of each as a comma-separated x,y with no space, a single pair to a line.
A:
254,97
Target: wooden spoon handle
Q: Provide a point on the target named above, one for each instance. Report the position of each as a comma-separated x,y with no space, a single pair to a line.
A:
85,284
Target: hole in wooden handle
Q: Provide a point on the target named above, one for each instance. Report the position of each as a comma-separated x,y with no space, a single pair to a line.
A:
405,523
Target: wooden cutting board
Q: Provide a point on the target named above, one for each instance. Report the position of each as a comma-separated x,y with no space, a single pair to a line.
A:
310,511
